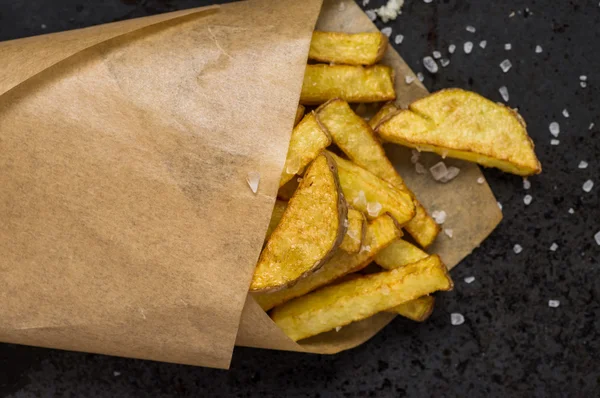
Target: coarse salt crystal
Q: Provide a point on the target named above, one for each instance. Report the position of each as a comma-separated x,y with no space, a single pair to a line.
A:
527,200
571,211
371,14
554,142
505,65
591,126
439,216
449,232
414,156
526,183
427,1
360,200
409,79
583,84
583,78
499,205
538,49
338,328
420,76
457,319
365,248
507,46
253,179
451,48
597,238
387,31
390,10
374,208
420,169
517,248
365,2
583,164
588,185
293,166
398,39
43,26
470,28
512,14
480,180
554,129
553,303
385,290
504,93
565,112
468,47
469,279
483,43
438,171
116,373
553,246
451,174
437,54
444,62
430,64
353,234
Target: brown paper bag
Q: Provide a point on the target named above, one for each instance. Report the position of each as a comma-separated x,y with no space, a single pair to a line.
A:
127,227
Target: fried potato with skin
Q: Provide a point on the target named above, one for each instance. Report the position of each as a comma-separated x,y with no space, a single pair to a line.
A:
307,141
276,215
356,139
352,83
355,232
399,254
416,310
356,299
347,48
366,192
299,114
379,233
311,229
387,109
464,125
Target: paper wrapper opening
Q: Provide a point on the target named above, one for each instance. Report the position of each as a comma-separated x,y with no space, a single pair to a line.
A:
128,227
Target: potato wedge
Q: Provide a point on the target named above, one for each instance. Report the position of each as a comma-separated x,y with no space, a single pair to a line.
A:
387,109
373,196
399,254
465,125
379,233
299,114
356,299
352,83
307,141
356,139
417,310
347,48
276,215
355,232
311,229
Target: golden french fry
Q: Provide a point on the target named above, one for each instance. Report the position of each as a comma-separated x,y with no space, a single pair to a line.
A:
299,114
311,229
417,310
387,109
355,232
465,125
276,215
399,254
356,139
379,233
352,83
373,196
307,141
356,299
347,48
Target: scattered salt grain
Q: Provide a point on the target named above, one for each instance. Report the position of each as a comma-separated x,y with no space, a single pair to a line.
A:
437,55
420,169
507,46
588,185
385,290
517,248
591,126
505,65
371,14
390,10
470,28
365,2
571,211
553,303
354,235
444,62
374,208
483,43
597,238
527,200
398,39
565,112
538,49
365,248
583,84
504,93
526,183
116,373
457,319
43,26
451,48
469,279
438,171
409,79
512,14
451,174
480,180
253,179
468,47
427,1
553,246
554,129
420,76
449,233
583,164
499,205
554,142
338,328
387,31
583,78
361,200
430,64
415,155
439,216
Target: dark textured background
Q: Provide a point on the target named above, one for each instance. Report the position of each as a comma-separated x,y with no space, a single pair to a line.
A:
512,343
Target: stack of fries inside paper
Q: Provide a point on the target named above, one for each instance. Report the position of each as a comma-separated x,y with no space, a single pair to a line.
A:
344,206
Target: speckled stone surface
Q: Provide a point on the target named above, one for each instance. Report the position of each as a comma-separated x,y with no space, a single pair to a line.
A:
512,343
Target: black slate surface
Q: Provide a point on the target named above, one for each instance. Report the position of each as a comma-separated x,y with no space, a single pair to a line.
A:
512,343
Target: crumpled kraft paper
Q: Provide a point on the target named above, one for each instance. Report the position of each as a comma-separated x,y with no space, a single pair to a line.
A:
127,225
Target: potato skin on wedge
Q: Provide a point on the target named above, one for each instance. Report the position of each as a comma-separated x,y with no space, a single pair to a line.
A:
311,229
